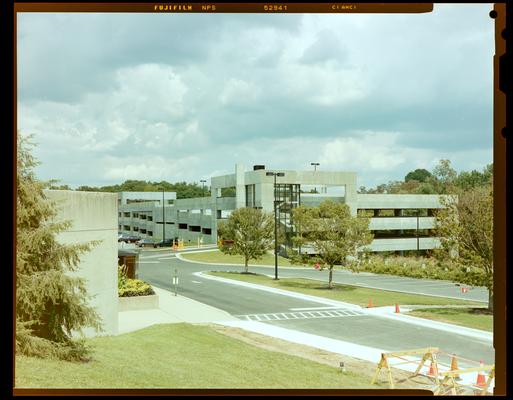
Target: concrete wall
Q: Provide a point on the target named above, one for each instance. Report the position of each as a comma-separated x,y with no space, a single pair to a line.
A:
398,201
157,196
397,223
404,244
94,216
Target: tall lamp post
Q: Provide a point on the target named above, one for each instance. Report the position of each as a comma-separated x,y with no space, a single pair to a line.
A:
417,232
203,181
315,165
275,174
163,217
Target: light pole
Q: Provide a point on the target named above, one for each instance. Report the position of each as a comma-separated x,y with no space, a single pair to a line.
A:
275,174
163,218
417,232
315,164
203,181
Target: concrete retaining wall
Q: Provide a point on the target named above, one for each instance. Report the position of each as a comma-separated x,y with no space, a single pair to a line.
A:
138,303
94,216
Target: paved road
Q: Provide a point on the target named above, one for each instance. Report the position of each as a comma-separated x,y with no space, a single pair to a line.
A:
360,328
431,287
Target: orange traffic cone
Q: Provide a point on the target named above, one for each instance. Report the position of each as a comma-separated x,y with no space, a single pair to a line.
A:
454,367
433,370
397,310
481,380
370,304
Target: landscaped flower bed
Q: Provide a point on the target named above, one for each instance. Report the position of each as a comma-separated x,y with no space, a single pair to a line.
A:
135,294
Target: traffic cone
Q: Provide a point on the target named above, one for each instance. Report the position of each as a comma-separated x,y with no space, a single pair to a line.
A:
370,304
433,371
397,310
481,380
464,290
454,367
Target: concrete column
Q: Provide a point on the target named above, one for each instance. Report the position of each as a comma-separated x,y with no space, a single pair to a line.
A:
215,192
351,195
240,187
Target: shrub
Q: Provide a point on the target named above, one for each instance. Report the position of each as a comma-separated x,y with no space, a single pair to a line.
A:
135,287
411,267
132,287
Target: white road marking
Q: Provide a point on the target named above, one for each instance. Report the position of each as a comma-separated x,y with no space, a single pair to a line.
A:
195,281
299,315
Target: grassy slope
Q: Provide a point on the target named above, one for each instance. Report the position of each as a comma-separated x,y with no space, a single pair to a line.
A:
181,356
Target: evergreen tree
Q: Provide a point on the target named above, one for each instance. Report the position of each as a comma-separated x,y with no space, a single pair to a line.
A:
51,304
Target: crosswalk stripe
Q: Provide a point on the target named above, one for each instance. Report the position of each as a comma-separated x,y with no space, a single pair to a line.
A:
300,315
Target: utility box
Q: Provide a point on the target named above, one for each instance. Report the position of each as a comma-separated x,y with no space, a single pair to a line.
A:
131,260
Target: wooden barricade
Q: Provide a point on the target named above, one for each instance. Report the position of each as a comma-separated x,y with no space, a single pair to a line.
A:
449,383
429,353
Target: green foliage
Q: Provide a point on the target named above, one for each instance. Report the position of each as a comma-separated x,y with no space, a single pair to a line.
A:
442,180
251,232
465,228
183,190
122,276
50,302
335,235
228,192
422,268
132,287
135,287
419,175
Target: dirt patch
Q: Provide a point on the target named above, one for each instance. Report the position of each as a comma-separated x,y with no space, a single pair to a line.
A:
366,368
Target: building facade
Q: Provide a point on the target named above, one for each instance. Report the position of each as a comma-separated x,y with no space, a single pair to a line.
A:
399,222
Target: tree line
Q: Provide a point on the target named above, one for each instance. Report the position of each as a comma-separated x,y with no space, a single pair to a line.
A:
443,179
184,190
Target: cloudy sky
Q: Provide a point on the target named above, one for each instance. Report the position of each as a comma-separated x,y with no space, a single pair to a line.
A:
110,97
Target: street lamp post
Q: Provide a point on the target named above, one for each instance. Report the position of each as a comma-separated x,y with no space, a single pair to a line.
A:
163,217
203,181
315,164
417,232
275,174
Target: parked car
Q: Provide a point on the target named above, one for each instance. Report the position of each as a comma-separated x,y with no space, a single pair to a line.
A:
164,243
145,243
128,239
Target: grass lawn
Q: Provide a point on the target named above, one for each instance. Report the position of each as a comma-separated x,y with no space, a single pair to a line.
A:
477,318
218,257
346,293
182,356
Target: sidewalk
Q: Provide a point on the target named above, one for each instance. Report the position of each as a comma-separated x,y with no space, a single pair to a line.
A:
172,309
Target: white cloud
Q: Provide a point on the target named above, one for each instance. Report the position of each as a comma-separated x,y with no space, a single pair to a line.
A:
239,92
352,91
119,169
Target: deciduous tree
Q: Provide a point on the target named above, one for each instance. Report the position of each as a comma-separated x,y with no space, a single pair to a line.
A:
465,228
251,232
419,175
334,234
